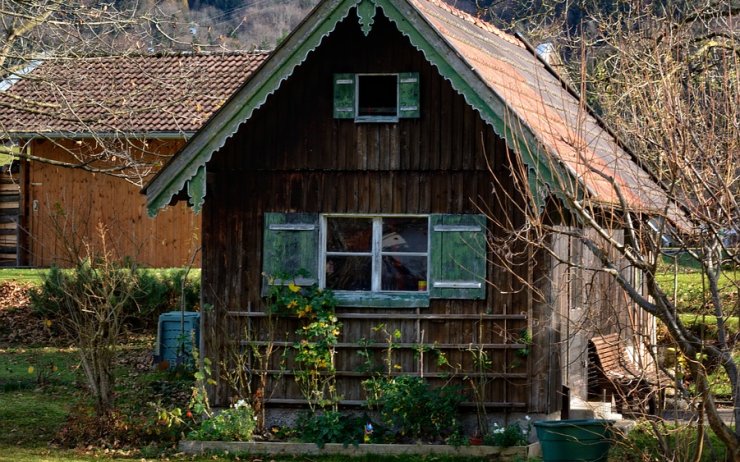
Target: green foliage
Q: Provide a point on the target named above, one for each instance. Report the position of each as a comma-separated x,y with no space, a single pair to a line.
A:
319,333
413,409
641,444
236,423
511,435
525,338
155,292
331,427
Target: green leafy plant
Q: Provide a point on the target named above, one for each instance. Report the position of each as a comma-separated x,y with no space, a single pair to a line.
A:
413,409
515,434
319,333
331,427
525,338
236,423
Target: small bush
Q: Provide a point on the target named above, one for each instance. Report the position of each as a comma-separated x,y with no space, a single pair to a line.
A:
641,444
331,427
156,292
236,423
511,435
415,410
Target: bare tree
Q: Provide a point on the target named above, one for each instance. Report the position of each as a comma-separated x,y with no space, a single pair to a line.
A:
666,76
93,302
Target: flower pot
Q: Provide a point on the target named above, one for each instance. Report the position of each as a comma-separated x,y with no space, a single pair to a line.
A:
475,440
585,440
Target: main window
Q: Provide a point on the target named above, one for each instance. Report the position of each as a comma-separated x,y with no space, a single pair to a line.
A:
375,254
390,261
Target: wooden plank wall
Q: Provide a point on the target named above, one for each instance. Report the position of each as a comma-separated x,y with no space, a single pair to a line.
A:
588,303
292,156
64,206
10,207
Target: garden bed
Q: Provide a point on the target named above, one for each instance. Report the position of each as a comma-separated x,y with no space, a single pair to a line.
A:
300,449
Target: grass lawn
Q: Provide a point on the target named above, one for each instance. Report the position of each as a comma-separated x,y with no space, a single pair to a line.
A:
56,455
39,386
692,295
31,275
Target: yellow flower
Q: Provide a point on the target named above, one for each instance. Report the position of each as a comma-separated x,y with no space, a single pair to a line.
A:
293,288
30,369
47,322
292,304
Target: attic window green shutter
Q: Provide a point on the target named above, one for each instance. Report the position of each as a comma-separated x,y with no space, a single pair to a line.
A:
408,95
458,256
344,96
290,244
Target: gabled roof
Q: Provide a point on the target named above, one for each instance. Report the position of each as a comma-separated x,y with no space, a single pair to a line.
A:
563,145
141,95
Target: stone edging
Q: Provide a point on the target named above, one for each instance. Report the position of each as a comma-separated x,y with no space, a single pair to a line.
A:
274,448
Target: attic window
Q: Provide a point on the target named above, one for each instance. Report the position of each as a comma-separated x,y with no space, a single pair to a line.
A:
376,97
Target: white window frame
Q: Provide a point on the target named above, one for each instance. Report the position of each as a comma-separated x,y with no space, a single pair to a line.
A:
376,253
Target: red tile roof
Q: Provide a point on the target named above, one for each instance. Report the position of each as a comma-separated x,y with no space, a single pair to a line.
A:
536,97
123,95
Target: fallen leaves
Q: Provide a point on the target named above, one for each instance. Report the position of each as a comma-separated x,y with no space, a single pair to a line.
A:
19,324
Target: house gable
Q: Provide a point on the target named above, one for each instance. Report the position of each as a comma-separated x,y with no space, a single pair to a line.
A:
309,35
563,145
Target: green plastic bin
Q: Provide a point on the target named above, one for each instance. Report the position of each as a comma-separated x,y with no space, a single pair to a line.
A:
177,333
586,440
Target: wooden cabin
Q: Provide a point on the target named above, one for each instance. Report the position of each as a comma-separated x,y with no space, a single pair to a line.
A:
381,150
94,112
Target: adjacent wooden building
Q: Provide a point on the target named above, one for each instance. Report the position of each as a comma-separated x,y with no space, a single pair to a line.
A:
96,112
389,149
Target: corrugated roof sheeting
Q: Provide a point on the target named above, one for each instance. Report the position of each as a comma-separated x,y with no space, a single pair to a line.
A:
127,94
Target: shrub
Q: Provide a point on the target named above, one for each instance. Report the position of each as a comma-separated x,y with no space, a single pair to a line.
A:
511,435
415,410
641,443
236,423
155,292
331,427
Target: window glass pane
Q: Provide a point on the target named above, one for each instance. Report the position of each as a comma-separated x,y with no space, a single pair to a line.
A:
348,272
405,234
404,273
377,95
349,234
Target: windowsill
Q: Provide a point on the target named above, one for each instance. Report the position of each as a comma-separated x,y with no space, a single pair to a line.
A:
376,119
382,299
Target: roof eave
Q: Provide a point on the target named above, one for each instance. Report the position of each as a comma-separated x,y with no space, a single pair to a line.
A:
423,36
58,135
263,82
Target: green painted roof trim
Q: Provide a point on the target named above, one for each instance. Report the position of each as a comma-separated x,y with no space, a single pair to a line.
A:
544,176
253,94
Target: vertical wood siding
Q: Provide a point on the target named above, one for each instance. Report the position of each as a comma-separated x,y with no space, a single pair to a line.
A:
292,156
63,207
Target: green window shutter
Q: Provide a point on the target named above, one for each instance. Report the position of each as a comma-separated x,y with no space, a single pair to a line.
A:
344,96
290,244
408,95
458,256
